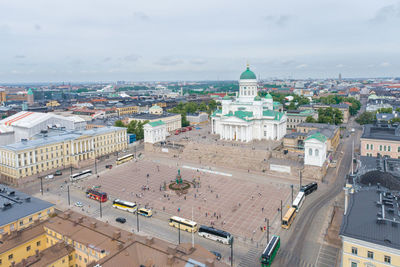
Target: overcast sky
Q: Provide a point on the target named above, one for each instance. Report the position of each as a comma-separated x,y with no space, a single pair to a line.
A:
109,40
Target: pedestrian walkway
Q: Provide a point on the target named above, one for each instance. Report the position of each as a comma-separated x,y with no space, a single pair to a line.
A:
252,258
285,258
327,256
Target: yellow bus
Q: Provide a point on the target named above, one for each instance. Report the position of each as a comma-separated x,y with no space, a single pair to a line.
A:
124,159
145,212
124,205
288,218
183,224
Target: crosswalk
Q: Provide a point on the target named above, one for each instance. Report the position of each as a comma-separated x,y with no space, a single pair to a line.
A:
285,258
252,258
327,256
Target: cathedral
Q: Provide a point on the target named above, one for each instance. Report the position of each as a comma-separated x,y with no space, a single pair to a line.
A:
248,117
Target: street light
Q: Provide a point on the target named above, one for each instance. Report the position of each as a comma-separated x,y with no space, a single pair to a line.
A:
291,186
137,217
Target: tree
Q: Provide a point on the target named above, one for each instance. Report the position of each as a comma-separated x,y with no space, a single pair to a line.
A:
203,106
366,118
310,119
355,105
291,106
395,120
212,105
184,121
385,110
119,123
330,115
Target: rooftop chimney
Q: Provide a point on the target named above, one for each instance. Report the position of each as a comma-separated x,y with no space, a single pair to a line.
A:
149,240
93,224
116,235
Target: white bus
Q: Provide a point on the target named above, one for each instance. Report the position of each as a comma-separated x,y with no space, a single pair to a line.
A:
215,234
298,202
80,175
183,224
124,205
124,159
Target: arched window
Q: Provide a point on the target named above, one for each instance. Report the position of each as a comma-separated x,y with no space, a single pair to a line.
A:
310,152
316,152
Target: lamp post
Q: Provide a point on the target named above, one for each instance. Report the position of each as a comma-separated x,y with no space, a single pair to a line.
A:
101,213
69,201
291,186
232,251
41,184
137,218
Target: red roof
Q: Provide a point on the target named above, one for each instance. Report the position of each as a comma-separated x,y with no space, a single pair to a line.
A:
354,89
218,94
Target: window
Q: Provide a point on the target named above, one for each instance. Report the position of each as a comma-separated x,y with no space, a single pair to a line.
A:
384,148
353,264
388,259
380,148
28,248
389,148
316,152
11,256
30,219
265,133
310,152
21,223
370,254
354,250
38,243
367,146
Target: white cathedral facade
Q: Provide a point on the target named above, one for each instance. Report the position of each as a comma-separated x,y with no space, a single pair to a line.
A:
248,117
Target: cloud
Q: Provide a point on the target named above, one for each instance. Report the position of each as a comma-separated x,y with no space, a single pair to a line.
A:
168,61
301,66
37,27
339,66
385,64
198,61
140,16
288,62
386,13
280,21
107,59
20,56
131,58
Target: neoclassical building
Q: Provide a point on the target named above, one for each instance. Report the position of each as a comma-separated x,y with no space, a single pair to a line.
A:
248,117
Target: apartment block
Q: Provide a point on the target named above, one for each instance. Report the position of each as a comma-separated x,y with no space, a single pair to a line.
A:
381,140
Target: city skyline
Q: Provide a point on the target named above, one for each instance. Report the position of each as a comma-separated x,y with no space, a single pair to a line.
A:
180,40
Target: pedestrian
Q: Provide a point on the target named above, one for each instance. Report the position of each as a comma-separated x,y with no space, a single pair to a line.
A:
265,219
262,209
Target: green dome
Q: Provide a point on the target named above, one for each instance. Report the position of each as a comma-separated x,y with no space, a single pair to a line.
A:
268,96
248,74
30,91
257,98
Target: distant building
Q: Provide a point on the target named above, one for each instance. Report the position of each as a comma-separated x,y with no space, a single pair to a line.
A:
125,110
155,132
157,110
295,117
370,228
197,118
30,97
248,117
172,121
344,108
19,210
381,140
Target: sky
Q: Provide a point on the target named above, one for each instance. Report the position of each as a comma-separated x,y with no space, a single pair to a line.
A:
167,40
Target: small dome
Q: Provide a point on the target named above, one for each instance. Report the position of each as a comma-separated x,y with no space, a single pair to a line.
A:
248,74
30,91
257,98
268,96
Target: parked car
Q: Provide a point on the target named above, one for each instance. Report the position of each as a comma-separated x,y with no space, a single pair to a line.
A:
217,254
50,176
78,204
177,132
120,220
183,130
58,173
108,166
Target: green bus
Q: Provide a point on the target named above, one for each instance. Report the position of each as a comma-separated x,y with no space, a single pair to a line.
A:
270,251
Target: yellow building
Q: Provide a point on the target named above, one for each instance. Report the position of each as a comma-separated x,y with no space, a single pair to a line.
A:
61,150
370,230
127,110
19,210
52,103
70,239
3,96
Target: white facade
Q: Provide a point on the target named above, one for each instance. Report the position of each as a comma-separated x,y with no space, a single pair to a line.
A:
248,117
315,150
155,132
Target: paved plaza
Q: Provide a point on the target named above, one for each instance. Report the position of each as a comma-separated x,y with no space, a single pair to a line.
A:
239,206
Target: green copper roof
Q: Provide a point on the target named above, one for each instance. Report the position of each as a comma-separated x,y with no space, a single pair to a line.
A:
243,115
276,103
156,123
257,98
226,97
319,136
272,113
30,91
218,111
248,75
268,96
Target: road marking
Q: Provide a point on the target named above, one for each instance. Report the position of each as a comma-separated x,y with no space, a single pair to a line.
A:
209,171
